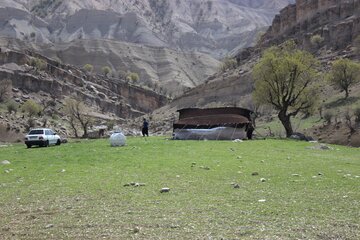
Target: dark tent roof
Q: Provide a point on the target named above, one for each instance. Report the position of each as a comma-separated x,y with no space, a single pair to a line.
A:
212,117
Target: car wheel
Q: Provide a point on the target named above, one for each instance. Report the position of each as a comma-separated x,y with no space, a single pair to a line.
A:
58,142
28,145
46,144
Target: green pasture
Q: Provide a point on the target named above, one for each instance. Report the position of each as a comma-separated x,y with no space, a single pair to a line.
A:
263,189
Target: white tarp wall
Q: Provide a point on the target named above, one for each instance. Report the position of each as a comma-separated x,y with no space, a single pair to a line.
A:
219,133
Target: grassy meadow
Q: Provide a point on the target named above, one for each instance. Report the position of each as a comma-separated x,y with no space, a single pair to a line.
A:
263,189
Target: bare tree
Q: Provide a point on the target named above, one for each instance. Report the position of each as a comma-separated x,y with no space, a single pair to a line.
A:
5,86
76,112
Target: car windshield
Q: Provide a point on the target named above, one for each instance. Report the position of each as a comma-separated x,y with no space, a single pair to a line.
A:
34,132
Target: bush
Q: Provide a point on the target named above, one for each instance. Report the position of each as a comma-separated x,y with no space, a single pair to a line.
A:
228,63
38,63
328,115
316,40
12,106
31,108
133,77
106,70
88,68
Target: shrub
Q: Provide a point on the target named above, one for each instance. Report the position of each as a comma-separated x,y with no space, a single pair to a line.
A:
88,68
328,115
228,63
106,70
12,106
31,108
316,40
133,77
38,63
5,86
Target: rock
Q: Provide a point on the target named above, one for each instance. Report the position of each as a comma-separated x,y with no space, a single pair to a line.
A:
63,170
236,185
262,200
5,162
164,190
126,185
295,175
136,230
49,226
255,174
262,180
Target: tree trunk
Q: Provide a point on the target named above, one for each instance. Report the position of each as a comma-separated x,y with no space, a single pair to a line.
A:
346,93
285,120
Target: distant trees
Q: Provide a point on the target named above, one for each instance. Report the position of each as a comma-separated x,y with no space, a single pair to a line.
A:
133,76
88,68
284,78
344,74
76,112
106,70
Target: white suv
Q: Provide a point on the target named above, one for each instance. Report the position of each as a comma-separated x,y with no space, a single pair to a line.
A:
42,137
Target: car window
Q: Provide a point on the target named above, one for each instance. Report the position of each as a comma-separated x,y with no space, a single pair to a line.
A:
34,132
47,132
51,132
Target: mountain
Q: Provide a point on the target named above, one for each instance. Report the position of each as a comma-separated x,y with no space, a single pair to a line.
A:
209,26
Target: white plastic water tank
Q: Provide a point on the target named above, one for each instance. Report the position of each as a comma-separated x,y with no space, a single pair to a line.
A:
117,139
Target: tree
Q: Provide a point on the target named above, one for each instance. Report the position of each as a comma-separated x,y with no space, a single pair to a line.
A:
344,74
88,68
5,86
76,112
106,70
134,77
316,40
31,107
284,78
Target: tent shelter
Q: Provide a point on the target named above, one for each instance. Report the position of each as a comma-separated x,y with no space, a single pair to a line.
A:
226,123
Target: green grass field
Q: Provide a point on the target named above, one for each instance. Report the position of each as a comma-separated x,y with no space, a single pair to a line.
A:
76,190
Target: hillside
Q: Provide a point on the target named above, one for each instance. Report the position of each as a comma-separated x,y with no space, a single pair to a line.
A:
213,27
234,86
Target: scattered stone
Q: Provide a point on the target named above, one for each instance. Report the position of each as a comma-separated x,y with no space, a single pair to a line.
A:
238,141
239,157
262,180
3,146
164,190
5,162
255,174
49,226
231,149
63,170
136,230
236,185
262,200
295,175
126,185
320,174
7,171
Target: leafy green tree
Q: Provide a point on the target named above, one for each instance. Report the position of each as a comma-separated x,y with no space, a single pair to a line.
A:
344,74
285,79
88,68
12,106
31,108
106,70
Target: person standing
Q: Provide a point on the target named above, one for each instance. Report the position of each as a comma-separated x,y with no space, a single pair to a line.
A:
145,128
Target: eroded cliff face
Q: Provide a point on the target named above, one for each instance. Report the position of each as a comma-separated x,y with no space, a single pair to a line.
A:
337,21
100,94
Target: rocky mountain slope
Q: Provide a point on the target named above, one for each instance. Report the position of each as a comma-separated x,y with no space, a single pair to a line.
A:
335,21
104,98
214,27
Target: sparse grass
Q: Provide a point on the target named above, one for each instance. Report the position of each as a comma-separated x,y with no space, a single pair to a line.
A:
75,191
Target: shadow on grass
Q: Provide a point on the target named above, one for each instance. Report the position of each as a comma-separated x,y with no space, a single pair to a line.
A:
342,102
